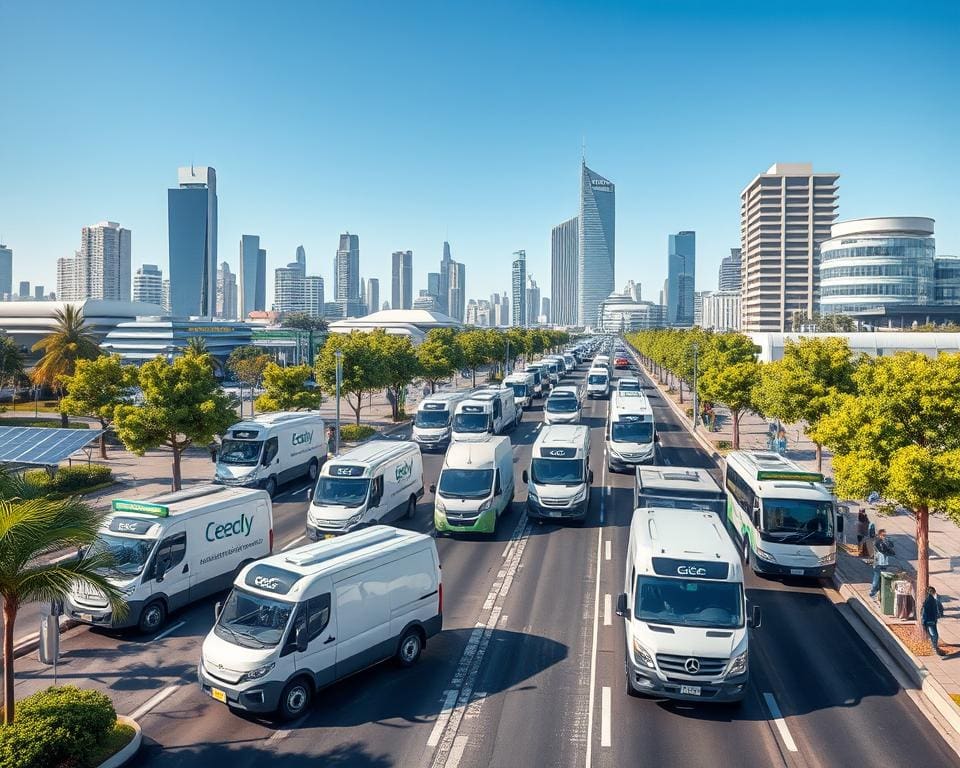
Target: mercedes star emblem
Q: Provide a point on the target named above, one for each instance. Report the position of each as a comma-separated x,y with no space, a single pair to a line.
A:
692,666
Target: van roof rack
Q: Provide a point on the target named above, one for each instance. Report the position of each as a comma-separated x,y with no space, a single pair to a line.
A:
324,551
195,492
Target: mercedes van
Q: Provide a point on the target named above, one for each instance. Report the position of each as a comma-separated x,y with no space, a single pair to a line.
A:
301,620
173,549
598,382
475,487
488,412
630,433
684,608
562,407
373,483
523,385
431,425
559,479
272,449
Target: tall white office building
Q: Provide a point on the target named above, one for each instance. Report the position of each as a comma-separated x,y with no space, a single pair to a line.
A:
288,289
533,301
148,284
519,286
226,293
313,302
373,295
457,295
401,275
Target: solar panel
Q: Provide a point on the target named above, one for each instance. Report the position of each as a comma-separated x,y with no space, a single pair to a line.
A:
44,446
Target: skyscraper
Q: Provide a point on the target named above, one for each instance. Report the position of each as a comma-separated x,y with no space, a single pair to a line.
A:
6,272
433,285
38,292
533,301
564,247
302,259
67,277
681,272
504,310
289,286
348,275
24,289
444,290
253,276
545,309
402,280
785,213
226,292
519,285
457,295
101,268
729,277
313,303
632,289
148,284
192,241
373,295
596,257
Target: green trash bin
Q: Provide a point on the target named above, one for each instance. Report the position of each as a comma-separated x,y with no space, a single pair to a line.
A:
886,592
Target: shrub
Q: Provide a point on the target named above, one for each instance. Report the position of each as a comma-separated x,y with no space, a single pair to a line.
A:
353,433
69,479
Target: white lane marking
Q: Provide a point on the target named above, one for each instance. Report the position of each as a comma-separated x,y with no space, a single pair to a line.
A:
293,543
607,603
593,653
667,462
456,752
170,630
284,732
780,722
154,700
605,717
443,717
606,551
537,428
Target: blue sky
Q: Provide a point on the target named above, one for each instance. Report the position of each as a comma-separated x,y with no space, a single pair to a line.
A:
409,123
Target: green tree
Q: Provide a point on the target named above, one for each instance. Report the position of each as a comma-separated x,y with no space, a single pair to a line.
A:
303,321
364,371
30,531
247,364
400,362
197,345
899,435
804,384
439,356
496,345
729,374
183,405
70,341
11,364
96,388
474,349
285,389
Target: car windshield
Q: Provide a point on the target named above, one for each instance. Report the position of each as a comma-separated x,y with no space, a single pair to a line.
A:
253,621
561,404
129,555
632,431
470,422
432,419
465,483
689,602
557,471
798,521
345,491
519,390
245,453
597,378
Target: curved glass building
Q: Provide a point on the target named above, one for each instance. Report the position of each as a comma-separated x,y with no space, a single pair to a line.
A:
596,258
871,263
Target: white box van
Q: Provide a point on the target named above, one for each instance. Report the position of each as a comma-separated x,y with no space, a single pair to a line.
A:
598,382
631,434
375,482
560,478
522,385
601,361
303,619
487,412
272,449
475,487
431,426
174,549
539,385
684,607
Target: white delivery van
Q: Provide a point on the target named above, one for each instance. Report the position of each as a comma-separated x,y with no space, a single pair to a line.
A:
378,481
562,407
554,370
431,426
629,384
631,434
303,619
174,549
475,486
272,449
598,382
559,480
539,386
490,411
685,609
679,488
570,359
562,368
601,361
522,385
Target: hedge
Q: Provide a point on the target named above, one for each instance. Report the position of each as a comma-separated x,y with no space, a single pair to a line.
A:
69,479
61,727
353,433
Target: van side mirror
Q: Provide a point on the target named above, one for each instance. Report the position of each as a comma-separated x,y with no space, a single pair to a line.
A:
622,609
214,455
300,638
755,618
656,437
310,494
217,610
590,476
525,476
433,488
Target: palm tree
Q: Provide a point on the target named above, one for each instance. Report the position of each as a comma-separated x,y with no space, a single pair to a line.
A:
70,341
30,531
197,345
11,364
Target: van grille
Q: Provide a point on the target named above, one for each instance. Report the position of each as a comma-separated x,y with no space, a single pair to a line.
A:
462,518
708,667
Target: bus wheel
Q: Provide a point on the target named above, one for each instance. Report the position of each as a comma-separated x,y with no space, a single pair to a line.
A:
746,551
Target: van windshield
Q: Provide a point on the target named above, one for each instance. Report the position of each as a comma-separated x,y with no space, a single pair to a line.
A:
798,521
129,555
465,483
470,422
432,419
557,471
519,390
689,602
561,404
253,621
242,452
345,491
632,431
705,503
597,378
629,386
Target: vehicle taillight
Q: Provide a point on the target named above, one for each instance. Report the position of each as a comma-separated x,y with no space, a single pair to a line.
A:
271,539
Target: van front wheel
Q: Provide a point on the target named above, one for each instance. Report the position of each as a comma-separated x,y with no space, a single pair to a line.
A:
411,644
270,486
411,508
152,617
313,470
295,698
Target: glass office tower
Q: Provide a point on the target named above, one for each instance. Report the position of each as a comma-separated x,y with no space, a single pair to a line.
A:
192,242
596,258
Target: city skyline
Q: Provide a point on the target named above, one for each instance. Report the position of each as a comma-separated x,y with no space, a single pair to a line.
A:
900,166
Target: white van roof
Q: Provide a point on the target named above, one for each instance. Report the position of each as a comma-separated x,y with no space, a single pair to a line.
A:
476,455
447,398
370,455
291,573
677,479
662,537
264,421
186,503
629,402
567,436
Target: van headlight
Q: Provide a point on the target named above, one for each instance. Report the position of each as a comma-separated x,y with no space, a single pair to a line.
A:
486,505
739,665
354,519
256,674
438,505
580,495
642,655
828,559
764,555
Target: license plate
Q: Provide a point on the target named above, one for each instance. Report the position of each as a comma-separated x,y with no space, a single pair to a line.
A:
690,690
796,571
329,536
553,513
85,616
219,695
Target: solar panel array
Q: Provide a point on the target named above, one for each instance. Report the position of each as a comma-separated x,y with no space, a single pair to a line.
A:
44,446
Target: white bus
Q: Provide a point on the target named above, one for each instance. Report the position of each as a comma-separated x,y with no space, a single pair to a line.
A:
784,516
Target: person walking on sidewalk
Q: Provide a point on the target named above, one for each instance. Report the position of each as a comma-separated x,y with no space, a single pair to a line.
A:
930,614
863,525
883,551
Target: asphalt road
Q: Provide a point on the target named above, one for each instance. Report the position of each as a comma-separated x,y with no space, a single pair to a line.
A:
529,668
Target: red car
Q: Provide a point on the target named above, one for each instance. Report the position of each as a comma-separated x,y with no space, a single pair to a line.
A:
621,362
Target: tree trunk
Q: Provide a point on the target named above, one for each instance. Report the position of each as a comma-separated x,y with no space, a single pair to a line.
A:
923,557
356,408
474,377
9,617
177,479
819,457
681,396
736,429
64,420
103,440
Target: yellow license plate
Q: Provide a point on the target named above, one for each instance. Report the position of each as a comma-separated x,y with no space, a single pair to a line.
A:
219,695
329,536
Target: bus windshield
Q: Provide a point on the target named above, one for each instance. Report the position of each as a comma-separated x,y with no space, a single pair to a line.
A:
798,521
631,431
471,422
432,419
689,602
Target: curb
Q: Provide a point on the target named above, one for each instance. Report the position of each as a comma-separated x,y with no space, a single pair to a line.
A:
30,643
126,754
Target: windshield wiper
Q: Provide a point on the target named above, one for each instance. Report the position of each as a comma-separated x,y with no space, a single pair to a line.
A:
247,635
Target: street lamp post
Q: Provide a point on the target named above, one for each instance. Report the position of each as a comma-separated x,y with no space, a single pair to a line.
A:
696,402
339,375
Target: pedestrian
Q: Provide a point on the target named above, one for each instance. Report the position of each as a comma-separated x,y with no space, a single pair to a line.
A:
330,441
863,525
930,614
882,552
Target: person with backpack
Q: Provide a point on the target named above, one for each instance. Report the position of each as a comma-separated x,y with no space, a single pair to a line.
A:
930,613
883,552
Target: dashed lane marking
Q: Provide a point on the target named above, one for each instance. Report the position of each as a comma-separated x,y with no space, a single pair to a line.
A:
607,605
781,724
605,717
293,543
155,700
170,630
606,551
